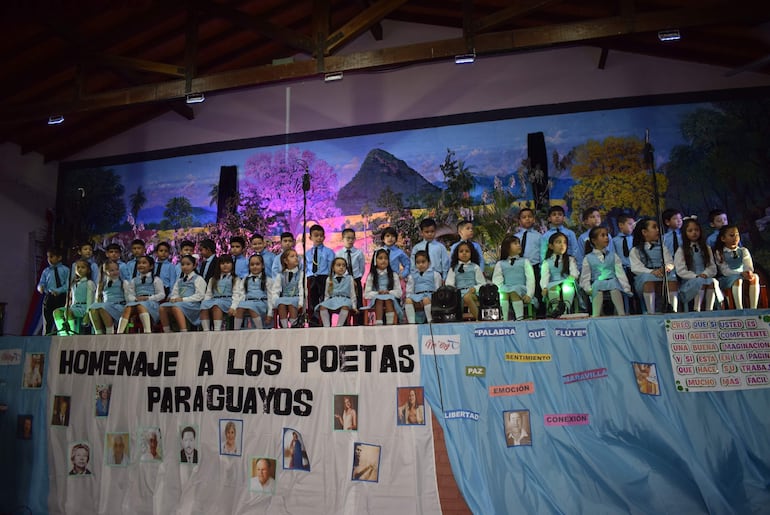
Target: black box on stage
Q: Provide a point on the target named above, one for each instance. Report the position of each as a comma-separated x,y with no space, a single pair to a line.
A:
446,305
489,303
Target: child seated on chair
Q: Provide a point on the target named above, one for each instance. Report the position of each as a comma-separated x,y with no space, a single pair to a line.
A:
225,290
422,282
602,271
255,288
514,277
558,276
466,275
340,294
736,266
286,294
184,301
383,287
69,320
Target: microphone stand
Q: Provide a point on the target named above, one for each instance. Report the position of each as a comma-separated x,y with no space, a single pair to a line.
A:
303,317
650,162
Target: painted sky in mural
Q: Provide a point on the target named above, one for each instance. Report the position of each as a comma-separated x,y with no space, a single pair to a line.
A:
489,148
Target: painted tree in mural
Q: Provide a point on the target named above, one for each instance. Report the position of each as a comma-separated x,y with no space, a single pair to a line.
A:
728,154
612,174
273,183
178,213
137,200
459,183
93,204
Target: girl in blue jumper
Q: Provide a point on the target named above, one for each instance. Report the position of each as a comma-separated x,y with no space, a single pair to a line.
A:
466,275
184,301
384,288
287,290
81,297
340,294
736,266
224,290
558,276
650,263
695,266
603,271
110,300
420,285
143,293
514,278
255,288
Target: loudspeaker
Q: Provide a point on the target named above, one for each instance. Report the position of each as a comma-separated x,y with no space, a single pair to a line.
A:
538,158
489,303
227,191
446,305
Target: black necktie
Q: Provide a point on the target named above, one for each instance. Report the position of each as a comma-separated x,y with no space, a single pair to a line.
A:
202,267
556,262
291,276
253,278
513,260
695,248
339,279
56,276
144,279
524,242
109,283
134,273
315,260
626,250
735,254
350,262
184,278
157,268
676,242
558,229
461,269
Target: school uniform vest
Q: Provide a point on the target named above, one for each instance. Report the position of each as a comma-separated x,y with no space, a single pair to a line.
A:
382,281
146,288
513,274
424,282
290,288
556,273
467,278
602,270
224,288
734,258
80,291
341,288
186,288
113,291
698,261
651,258
252,286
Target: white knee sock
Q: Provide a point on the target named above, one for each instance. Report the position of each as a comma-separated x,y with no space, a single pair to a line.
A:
237,323
754,295
617,301
146,323
673,299
518,310
109,329
326,319
217,325
710,293
390,318
284,323
649,300
257,321
698,301
411,316
166,329
428,313
738,294
504,309
122,324
342,317
597,299
205,324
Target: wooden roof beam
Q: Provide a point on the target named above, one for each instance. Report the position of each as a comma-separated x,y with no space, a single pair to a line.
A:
360,24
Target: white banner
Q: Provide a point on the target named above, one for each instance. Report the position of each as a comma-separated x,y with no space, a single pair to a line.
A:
273,421
722,353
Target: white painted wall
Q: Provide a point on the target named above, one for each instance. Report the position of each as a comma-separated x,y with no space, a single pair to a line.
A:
436,89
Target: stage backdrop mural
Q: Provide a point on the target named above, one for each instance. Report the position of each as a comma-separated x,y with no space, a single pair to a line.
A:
482,166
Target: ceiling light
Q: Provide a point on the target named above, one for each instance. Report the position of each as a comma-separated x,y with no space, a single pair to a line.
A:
331,77
669,35
195,98
465,58
55,120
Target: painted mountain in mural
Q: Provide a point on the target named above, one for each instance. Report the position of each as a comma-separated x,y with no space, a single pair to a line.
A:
381,170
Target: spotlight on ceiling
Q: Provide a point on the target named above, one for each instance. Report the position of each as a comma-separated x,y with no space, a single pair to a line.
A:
669,35
55,120
195,98
465,58
331,77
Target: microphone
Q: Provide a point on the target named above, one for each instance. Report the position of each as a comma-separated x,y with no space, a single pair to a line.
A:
306,180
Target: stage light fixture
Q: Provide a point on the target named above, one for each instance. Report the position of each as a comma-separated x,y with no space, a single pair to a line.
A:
465,58
669,35
331,77
195,98
55,120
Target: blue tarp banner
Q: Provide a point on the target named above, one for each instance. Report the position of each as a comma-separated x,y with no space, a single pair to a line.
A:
582,416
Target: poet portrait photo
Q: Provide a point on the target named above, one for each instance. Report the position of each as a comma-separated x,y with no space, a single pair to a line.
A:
262,474
34,364
102,401
346,412
117,449
518,430
295,455
150,444
24,427
61,410
366,462
646,375
411,406
230,436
